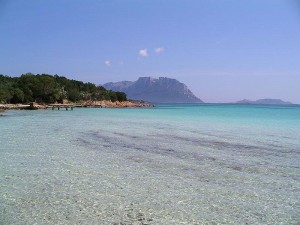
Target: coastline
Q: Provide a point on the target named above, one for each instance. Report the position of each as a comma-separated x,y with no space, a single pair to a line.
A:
85,104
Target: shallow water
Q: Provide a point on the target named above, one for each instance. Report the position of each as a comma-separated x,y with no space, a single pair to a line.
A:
172,164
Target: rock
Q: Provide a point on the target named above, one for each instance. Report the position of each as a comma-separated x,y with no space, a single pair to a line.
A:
117,104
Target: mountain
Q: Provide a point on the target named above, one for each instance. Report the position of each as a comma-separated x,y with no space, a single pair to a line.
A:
162,90
265,101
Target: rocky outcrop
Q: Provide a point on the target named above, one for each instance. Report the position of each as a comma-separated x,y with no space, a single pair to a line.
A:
117,104
161,90
85,104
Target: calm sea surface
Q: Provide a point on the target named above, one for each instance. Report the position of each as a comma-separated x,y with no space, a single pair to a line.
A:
172,164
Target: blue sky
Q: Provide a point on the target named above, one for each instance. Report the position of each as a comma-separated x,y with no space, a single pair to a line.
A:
224,50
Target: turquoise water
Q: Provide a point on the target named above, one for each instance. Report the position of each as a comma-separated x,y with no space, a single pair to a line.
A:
172,164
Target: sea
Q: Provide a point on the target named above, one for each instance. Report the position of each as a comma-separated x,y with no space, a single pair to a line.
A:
169,164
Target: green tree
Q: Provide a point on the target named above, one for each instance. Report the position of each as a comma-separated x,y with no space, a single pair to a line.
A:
47,88
17,95
112,95
5,95
121,96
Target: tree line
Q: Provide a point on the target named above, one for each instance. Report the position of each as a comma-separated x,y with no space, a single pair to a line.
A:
50,89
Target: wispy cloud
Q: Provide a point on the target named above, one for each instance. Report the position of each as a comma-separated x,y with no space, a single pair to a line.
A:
159,50
143,52
107,62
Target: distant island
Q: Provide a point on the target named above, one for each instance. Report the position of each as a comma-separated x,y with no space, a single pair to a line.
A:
161,90
265,101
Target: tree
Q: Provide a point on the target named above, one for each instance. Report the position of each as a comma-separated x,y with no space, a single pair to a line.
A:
121,96
5,95
112,95
47,88
17,95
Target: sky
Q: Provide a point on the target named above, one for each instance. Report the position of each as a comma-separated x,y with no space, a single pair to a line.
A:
223,50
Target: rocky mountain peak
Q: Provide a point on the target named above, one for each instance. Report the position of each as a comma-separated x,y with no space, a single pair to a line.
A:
163,89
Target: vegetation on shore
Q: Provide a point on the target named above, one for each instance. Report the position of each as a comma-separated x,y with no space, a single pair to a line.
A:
47,88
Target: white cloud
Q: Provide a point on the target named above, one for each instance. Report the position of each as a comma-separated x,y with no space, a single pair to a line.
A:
107,62
143,52
159,50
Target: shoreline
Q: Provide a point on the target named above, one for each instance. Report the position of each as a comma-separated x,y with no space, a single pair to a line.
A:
85,104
